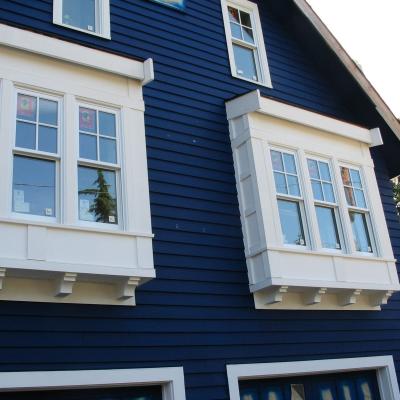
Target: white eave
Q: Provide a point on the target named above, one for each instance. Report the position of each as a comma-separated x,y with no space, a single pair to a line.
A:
351,66
74,53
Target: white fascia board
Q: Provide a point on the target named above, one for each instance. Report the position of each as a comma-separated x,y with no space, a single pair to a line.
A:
351,66
74,53
52,380
253,102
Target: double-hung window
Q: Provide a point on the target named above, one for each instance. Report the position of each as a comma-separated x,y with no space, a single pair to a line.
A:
245,41
90,16
98,166
290,201
326,207
357,207
36,156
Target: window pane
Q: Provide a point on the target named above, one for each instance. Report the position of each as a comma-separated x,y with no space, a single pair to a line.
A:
355,178
26,135
250,394
245,19
290,165
328,227
324,170
292,227
108,151
248,35
245,63
236,31
47,139
350,196
360,199
317,190
277,163
48,111
26,107
88,146
80,13
106,124
34,186
280,183
233,15
328,192
293,183
313,169
97,195
360,232
87,120
345,172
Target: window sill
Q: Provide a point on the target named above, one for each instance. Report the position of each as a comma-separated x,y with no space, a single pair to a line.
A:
263,84
100,35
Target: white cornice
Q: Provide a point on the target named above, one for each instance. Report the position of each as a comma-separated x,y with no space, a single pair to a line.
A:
351,66
73,53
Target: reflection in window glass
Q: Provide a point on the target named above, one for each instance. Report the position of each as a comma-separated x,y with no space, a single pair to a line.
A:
328,228
34,182
80,14
360,232
291,223
97,195
353,187
285,173
245,62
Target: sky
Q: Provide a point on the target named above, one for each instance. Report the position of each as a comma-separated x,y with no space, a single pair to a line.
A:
369,30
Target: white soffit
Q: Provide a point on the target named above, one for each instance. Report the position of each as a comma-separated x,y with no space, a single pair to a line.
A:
74,53
351,66
253,102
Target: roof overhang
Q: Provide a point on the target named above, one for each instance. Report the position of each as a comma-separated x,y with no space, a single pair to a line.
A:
381,107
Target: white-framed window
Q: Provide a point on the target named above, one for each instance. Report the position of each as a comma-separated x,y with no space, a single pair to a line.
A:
171,380
314,228
89,16
99,166
289,197
290,373
36,155
245,41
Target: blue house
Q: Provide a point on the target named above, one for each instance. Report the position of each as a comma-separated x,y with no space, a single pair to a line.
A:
195,204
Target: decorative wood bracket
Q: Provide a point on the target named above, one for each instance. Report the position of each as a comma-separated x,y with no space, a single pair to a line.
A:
349,297
276,295
2,277
127,288
315,296
66,284
381,298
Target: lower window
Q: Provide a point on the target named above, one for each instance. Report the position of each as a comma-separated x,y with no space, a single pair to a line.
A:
128,393
348,386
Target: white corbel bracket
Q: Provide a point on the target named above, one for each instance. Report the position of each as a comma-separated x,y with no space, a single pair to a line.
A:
376,137
2,277
65,284
381,298
349,297
276,295
127,288
315,296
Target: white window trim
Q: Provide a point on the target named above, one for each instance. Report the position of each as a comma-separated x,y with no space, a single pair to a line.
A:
171,379
103,10
252,9
384,365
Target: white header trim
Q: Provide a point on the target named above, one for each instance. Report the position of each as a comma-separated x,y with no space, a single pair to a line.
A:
59,49
351,66
253,102
387,380
172,380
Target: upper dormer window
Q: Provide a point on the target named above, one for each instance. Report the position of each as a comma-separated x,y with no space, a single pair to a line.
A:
90,16
245,41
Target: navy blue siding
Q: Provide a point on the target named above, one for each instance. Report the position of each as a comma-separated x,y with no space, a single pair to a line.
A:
198,312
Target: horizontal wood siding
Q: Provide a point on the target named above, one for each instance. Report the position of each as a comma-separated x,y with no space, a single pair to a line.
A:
198,312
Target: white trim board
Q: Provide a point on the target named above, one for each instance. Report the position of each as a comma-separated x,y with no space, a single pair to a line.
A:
254,102
350,65
59,49
172,380
386,373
